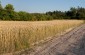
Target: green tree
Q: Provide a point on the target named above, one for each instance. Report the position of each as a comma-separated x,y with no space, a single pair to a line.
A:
1,11
24,16
10,13
9,7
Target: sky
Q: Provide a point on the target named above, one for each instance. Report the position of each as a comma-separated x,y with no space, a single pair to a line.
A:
42,6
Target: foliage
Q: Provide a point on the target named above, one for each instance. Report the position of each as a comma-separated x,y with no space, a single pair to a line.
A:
8,13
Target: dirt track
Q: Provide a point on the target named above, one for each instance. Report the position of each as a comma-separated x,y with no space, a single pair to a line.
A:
72,43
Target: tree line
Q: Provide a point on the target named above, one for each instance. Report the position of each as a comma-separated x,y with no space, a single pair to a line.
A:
8,13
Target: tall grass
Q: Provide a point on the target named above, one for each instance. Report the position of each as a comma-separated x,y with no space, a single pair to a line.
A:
18,35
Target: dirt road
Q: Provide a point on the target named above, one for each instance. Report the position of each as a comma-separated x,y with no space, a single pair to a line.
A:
72,43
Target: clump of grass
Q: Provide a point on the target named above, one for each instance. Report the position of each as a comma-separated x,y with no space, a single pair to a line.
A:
18,35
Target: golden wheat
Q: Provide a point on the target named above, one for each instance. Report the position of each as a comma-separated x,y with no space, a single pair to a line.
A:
17,35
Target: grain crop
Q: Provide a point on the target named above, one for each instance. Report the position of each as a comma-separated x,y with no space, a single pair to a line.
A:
18,35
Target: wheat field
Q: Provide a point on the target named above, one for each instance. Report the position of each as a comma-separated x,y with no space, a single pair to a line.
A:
18,35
